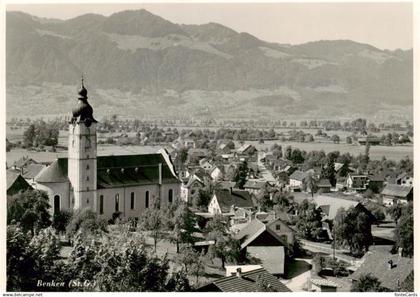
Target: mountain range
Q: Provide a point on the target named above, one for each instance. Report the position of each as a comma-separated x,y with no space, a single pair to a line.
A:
139,64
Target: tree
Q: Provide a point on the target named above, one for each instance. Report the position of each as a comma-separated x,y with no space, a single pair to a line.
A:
32,259
349,140
241,174
187,258
264,200
86,223
178,283
60,220
329,172
335,138
198,266
151,220
225,246
29,209
353,229
308,221
297,156
311,183
395,212
367,283
404,232
184,226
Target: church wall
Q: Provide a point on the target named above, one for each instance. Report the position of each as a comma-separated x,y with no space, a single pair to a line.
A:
52,189
176,188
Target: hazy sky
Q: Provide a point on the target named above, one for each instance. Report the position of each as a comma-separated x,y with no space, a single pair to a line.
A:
384,25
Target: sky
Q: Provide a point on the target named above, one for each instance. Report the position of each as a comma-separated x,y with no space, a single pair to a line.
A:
383,25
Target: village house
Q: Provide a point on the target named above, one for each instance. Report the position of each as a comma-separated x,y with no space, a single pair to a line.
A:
404,180
255,186
190,189
245,282
331,205
227,200
356,182
391,270
267,242
324,186
394,194
205,164
296,180
112,186
216,173
225,147
15,183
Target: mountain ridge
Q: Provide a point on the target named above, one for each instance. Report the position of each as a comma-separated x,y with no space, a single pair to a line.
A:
136,51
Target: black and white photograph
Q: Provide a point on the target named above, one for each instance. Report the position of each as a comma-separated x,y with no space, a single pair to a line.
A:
209,147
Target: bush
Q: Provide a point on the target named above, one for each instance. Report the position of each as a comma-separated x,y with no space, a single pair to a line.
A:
61,220
86,221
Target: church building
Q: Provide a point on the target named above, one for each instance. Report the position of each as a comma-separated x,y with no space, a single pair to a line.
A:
122,185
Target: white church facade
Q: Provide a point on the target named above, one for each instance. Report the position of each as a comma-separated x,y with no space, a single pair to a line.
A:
116,185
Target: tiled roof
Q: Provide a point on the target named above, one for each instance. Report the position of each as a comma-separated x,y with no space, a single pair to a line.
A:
332,204
247,282
15,182
272,257
376,264
396,190
115,171
324,282
56,172
324,183
255,184
299,175
226,184
32,170
250,232
238,198
24,161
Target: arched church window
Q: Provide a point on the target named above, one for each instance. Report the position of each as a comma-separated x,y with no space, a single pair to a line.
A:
117,202
146,199
170,195
87,178
87,167
56,203
101,204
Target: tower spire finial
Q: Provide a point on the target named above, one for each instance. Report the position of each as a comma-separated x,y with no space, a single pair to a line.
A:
82,81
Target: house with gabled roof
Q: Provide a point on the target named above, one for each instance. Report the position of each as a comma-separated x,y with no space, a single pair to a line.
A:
394,193
266,242
190,188
297,179
227,200
15,183
391,270
357,182
246,282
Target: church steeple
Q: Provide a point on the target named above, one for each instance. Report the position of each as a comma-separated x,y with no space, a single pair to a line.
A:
83,112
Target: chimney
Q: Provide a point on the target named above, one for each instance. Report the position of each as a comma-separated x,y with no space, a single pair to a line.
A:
390,264
160,173
231,190
400,251
239,272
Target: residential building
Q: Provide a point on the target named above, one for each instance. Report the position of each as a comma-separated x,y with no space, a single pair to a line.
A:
15,183
394,193
296,180
227,200
245,282
391,270
357,182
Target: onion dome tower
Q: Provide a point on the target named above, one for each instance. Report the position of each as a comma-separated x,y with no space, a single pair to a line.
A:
83,111
82,166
